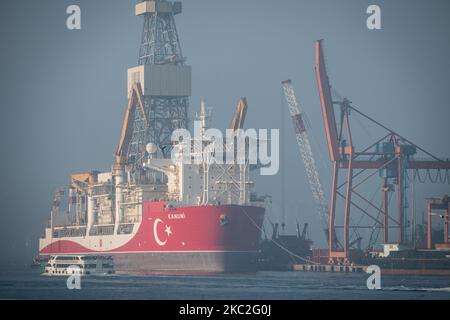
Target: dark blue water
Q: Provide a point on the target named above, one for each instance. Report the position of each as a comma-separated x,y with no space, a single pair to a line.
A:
26,283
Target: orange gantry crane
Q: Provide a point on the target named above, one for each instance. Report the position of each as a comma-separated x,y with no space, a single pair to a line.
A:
392,156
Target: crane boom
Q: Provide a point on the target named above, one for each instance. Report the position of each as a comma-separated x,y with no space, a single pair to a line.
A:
239,114
136,98
306,152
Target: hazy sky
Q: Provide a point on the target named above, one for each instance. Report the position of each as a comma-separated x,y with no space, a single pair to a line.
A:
63,93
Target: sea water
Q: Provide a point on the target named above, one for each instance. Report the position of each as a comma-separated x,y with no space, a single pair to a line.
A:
23,282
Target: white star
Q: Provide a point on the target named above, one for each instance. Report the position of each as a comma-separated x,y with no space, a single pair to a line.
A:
168,231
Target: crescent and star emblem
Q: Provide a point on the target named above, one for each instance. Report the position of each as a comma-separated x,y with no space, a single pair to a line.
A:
167,230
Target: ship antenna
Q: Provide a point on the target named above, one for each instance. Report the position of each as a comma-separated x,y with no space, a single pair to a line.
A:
204,116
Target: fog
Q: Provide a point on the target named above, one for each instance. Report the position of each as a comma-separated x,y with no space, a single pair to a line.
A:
63,93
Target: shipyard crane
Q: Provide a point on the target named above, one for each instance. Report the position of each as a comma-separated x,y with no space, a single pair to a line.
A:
306,152
391,156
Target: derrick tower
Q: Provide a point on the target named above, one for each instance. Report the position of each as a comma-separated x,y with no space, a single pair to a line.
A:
161,81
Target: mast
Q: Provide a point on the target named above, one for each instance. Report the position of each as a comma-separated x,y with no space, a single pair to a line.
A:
164,79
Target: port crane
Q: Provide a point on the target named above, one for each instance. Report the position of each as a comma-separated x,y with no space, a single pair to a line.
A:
391,156
297,115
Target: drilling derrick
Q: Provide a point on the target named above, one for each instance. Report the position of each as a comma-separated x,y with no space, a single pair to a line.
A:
163,79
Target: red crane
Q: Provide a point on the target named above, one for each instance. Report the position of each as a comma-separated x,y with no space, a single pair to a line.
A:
392,156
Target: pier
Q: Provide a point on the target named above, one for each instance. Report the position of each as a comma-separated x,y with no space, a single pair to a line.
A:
328,268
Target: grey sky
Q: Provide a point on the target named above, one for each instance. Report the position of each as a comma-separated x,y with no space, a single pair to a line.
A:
63,93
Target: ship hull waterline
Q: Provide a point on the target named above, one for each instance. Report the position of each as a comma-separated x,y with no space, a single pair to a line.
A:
196,239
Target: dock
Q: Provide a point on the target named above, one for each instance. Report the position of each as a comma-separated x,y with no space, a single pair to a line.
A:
329,268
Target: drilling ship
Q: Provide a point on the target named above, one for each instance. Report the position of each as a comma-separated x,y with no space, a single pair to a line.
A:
152,213
168,216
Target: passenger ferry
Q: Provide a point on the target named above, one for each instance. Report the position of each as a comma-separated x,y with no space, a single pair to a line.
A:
83,265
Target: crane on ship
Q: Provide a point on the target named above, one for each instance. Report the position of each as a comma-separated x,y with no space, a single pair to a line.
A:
135,100
239,114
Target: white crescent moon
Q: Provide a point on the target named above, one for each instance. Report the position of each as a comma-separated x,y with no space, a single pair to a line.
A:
155,233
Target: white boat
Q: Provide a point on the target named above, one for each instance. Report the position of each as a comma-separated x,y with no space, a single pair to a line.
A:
83,265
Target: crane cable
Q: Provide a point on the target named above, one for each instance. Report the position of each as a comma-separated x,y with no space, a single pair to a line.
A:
442,177
278,244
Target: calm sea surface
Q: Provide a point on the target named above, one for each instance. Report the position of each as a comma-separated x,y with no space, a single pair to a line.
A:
20,282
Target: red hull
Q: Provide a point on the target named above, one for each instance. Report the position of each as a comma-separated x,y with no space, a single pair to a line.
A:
199,238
